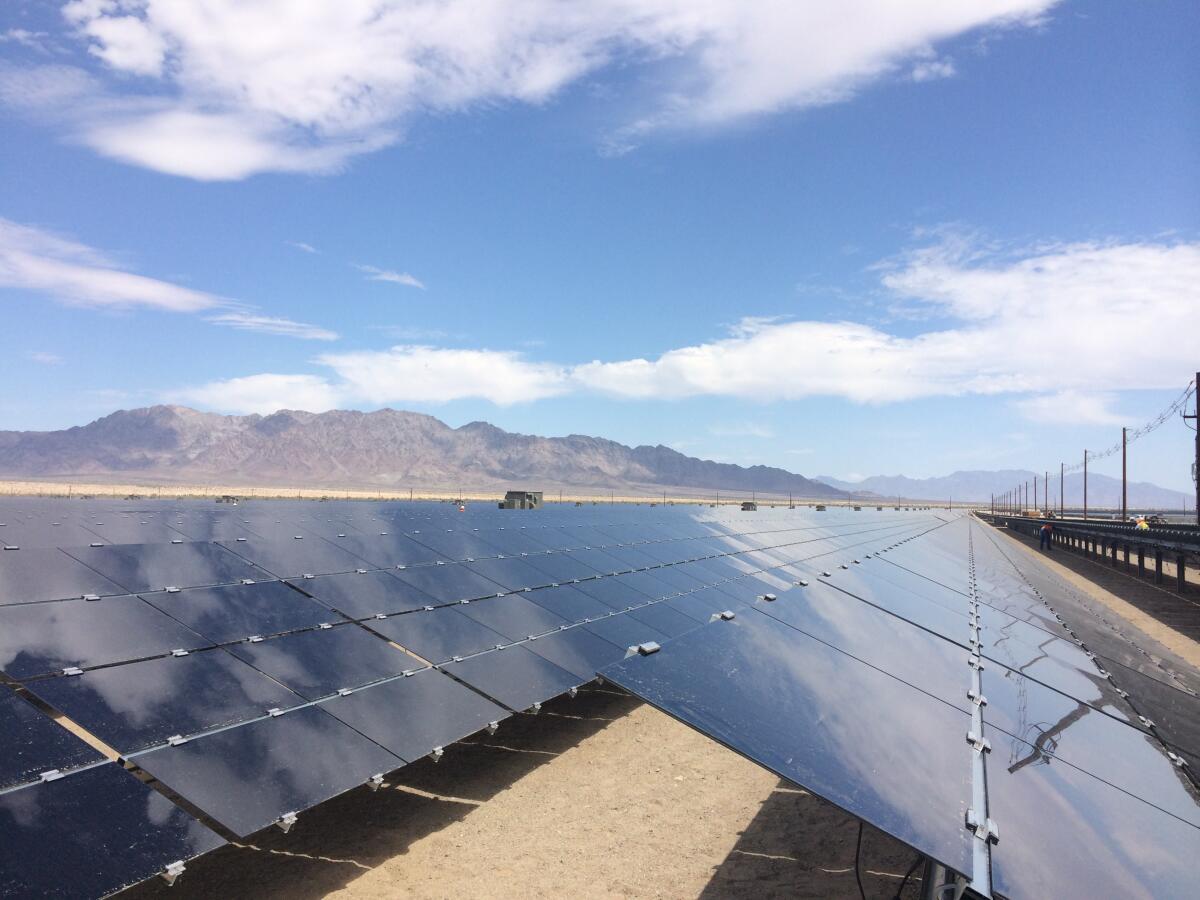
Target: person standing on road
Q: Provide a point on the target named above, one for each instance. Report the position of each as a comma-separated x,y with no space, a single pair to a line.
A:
1044,541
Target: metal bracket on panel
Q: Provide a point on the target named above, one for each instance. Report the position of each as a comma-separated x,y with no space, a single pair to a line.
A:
647,648
975,662
977,698
464,602
801,583
492,727
535,709
986,830
573,693
978,742
375,782
379,616
308,575
827,574
51,775
1176,758
240,540
171,871
428,608
176,540
324,625
11,547
724,616
285,822
171,589
179,652
176,739
344,692
274,711
1147,722
72,670
360,571
255,639
770,598
247,581
436,754
91,596
844,566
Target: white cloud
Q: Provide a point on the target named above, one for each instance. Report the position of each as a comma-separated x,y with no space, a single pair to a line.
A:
741,429
300,245
46,359
34,40
376,274
1070,408
262,394
271,325
229,89
933,69
1045,325
40,261
407,374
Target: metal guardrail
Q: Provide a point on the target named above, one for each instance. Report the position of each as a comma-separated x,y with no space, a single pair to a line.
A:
1102,540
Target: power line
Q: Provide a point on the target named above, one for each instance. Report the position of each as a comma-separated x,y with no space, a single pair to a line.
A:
1178,405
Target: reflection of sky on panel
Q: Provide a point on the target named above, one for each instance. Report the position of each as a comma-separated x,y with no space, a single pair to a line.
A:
29,575
515,677
47,637
289,557
363,594
140,704
236,611
878,748
152,567
32,743
246,777
1064,829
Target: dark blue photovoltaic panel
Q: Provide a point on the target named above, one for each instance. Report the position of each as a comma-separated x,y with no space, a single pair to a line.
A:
450,583
44,638
249,776
91,834
512,573
33,575
291,558
577,650
455,546
849,733
32,743
513,616
411,716
362,594
514,541
515,677
384,550
662,618
613,592
561,567
1065,833
624,631
439,634
135,706
153,567
236,611
319,662
567,602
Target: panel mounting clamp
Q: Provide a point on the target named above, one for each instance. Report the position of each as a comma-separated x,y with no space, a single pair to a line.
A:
72,670
176,739
375,782
171,871
724,615
978,742
285,822
985,831
50,775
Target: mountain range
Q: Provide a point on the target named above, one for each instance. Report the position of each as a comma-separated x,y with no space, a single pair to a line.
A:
385,449
1103,491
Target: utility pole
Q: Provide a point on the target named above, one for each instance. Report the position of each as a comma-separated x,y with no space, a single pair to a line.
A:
1046,499
1062,484
1035,503
993,504
1196,465
1124,490
1085,485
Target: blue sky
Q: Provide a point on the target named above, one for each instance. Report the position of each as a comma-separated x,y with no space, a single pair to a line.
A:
961,236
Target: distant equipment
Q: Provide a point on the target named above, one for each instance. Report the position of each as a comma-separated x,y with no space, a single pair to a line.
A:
820,507
749,506
230,498
522,500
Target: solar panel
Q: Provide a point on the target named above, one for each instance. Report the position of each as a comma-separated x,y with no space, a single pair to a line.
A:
32,743
90,834
28,576
568,603
291,558
253,775
155,567
515,677
134,706
319,662
238,611
449,583
880,749
413,716
439,634
513,616
577,650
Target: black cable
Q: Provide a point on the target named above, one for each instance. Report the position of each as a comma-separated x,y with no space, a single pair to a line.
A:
908,875
857,856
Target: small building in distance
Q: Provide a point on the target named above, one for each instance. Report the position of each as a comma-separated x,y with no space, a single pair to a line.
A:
749,506
521,500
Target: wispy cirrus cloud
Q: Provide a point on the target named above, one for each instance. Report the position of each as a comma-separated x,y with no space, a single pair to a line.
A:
300,245
42,262
1014,329
374,273
46,359
216,89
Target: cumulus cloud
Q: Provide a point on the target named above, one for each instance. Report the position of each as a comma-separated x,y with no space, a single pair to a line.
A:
263,394
227,89
36,260
377,274
1045,325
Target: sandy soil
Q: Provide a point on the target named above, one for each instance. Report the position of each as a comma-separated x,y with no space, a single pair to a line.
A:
599,796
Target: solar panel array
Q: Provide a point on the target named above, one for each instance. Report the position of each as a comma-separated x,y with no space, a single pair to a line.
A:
257,660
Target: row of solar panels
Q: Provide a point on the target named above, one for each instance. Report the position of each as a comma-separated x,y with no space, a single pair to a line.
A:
891,688
256,700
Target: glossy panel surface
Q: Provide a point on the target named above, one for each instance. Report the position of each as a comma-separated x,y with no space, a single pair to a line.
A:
45,638
362,594
514,677
449,583
578,650
561,567
1064,833
29,575
439,634
512,573
567,602
247,777
290,558
320,662
625,631
135,706
879,749
32,743
152,567
411,716
91,834
236,611
455,545
513,616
